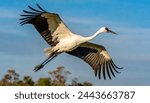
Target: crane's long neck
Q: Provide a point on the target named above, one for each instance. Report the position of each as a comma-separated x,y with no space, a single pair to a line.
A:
93,36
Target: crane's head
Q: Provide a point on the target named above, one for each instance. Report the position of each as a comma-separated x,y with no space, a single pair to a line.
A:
105,30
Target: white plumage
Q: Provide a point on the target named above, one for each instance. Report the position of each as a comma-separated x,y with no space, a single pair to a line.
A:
61,39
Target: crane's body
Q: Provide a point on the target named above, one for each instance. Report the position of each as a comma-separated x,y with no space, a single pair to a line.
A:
71,42
68,44
61,39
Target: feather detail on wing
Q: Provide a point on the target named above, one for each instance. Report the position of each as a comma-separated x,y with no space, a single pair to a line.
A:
49,25
98,58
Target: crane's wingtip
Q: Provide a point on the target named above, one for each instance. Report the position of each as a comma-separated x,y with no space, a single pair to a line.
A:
40,7
121,68
116,65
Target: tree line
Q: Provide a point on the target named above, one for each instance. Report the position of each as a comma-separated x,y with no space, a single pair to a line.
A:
57,77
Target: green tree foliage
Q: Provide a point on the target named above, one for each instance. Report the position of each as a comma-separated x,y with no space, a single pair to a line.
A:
57,77
44,82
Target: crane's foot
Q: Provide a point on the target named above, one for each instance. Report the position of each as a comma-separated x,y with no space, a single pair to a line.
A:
38,67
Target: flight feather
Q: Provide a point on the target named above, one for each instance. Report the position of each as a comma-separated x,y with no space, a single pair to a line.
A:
98,58
49,25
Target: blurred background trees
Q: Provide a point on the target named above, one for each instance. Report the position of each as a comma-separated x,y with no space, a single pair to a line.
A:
57,77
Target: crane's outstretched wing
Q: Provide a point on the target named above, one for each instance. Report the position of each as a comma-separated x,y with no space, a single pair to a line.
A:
97,57
49,25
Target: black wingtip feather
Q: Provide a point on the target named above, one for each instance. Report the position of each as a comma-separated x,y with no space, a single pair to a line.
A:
95,73
34,9
26,15
99,72
107,69
30,15
28,12
26,18
104,71
116,66
112,65
40,8
111,70
24,22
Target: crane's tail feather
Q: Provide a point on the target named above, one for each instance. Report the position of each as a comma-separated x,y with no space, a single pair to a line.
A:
48,51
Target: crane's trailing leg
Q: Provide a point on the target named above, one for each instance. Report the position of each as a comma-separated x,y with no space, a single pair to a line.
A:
40,66
51,53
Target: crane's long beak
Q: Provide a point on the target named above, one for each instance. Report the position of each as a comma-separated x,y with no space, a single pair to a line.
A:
112,32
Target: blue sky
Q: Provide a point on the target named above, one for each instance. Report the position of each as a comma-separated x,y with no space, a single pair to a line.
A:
21,47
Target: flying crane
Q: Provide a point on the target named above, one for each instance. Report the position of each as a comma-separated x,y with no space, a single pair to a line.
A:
61,39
